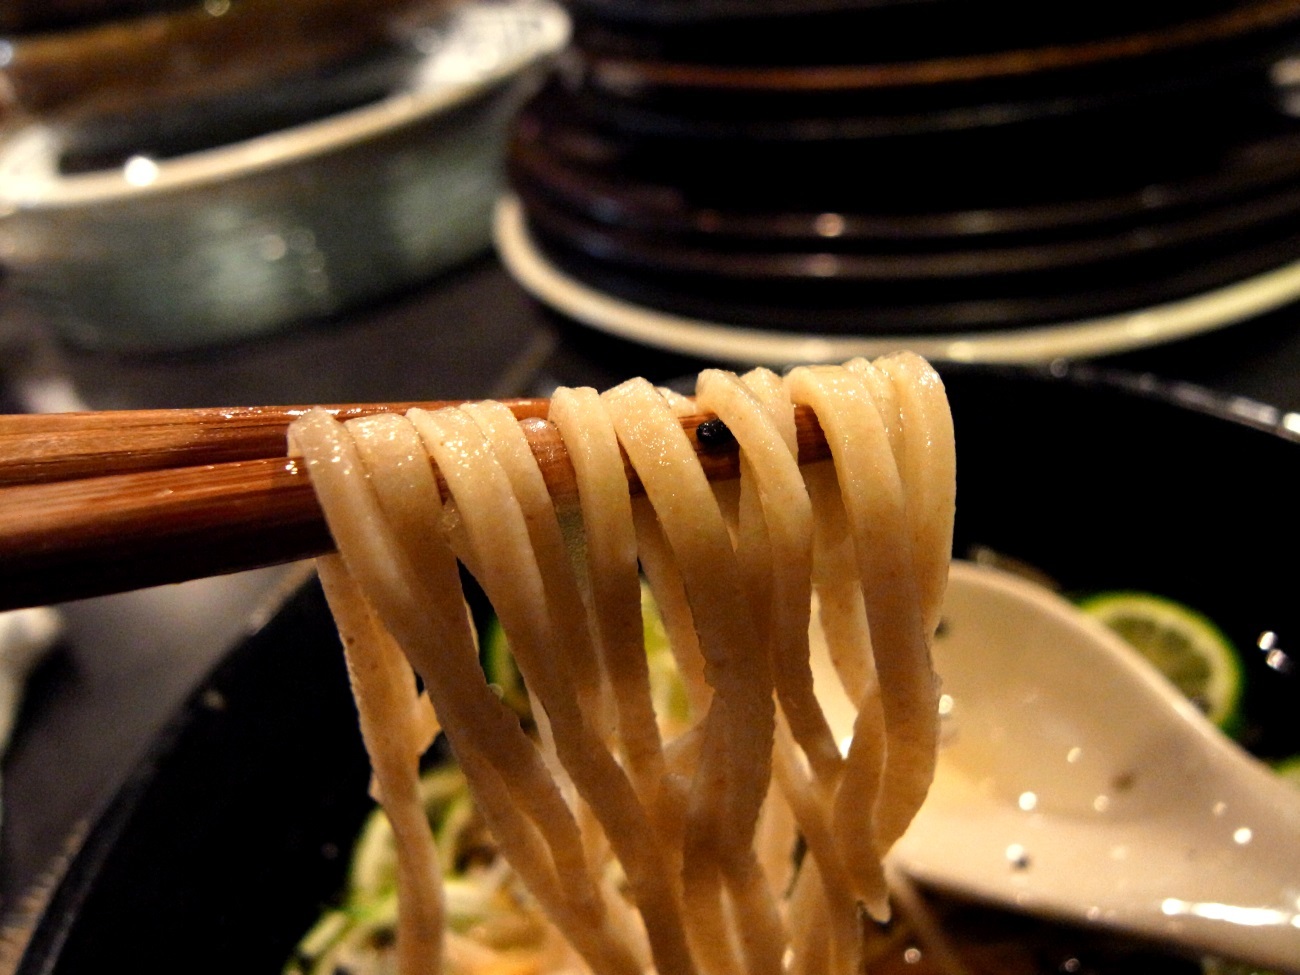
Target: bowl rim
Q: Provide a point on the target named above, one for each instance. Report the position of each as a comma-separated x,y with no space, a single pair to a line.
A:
30,181
630,72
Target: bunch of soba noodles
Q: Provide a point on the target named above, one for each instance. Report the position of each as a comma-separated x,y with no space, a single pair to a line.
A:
751,842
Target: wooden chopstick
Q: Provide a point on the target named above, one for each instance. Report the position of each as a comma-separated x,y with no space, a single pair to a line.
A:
44,447
95,534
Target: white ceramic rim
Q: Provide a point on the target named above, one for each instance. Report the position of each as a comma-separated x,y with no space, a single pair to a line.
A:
743,345
28,163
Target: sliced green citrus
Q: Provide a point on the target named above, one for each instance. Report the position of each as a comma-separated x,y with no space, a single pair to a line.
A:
1183,645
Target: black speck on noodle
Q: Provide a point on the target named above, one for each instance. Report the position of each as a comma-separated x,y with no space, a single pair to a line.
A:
714,435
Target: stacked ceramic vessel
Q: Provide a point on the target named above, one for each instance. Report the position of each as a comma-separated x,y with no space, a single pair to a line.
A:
920,167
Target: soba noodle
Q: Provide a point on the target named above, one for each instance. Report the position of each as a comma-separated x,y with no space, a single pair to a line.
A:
652,847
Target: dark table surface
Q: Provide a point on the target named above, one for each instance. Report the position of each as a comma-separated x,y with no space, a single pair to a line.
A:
126,662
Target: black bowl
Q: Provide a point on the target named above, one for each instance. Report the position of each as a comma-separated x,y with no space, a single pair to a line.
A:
222,849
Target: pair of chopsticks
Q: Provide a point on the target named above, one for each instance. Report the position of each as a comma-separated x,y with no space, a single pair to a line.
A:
105,502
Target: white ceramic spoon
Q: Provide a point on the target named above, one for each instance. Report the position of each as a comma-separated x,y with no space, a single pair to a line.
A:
1075,782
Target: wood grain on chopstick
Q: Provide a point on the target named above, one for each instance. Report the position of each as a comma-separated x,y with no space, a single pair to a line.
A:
87,535
37,448
95,536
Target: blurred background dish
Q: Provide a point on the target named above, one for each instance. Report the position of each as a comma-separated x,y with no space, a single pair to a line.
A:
915,169
172,72
268,206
